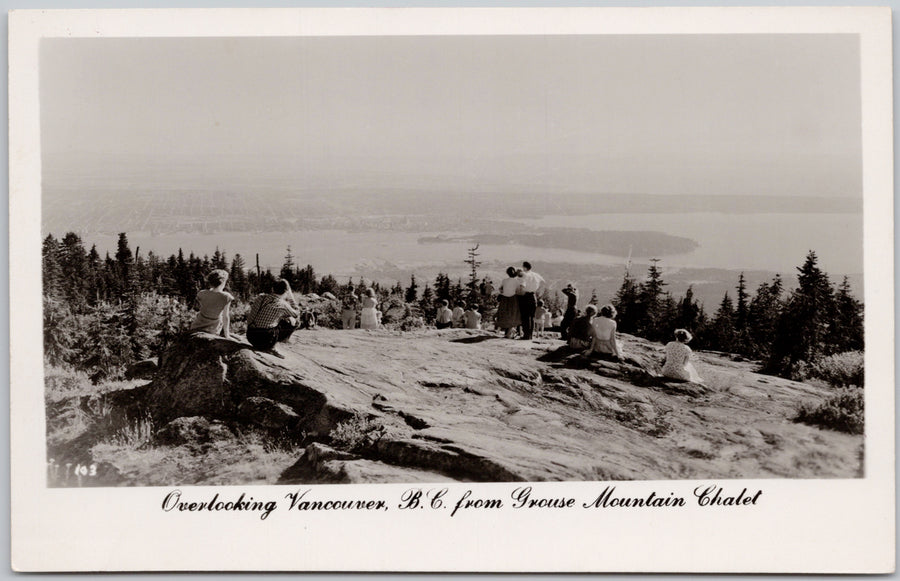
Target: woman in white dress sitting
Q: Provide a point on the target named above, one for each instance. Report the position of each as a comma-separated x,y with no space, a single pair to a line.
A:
678,359
603,334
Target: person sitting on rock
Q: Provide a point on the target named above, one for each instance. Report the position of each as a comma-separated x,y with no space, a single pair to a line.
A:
348,310
458,320
581,331
308,319
678,359
272,317
215,306
473,318
604,341
444,316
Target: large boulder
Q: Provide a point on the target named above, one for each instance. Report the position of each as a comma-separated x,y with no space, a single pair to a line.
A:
217,378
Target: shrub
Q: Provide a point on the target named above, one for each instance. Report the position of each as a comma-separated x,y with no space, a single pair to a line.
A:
134,434
842,369
330,315
843,411
356,433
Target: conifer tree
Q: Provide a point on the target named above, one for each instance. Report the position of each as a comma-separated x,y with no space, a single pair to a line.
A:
218,260
626,303
51,271
329,284
412,290
650,296
473,263
848,332
721,332
804,322
688,312
741,342
763,314
73,271
237,277
124,263
288,268
426,303
96,289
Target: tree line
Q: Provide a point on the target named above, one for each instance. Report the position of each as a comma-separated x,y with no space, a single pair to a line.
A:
103,313
787,331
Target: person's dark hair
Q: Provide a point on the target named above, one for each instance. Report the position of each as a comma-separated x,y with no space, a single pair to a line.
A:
608,311
683,335
526,265
445,302
217,277
510,272
280,287
540,302
590,310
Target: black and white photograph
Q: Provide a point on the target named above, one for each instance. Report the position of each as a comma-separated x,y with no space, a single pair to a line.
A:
441,260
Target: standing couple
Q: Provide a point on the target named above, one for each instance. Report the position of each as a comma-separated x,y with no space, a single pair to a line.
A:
518,300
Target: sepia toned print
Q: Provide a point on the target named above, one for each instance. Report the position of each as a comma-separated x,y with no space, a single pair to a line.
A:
327,285
420,169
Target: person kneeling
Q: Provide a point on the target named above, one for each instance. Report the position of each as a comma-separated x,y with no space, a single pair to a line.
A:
272,318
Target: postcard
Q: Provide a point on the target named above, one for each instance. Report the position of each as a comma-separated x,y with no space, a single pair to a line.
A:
452,290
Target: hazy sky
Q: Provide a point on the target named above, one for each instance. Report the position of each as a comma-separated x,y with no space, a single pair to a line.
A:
692,114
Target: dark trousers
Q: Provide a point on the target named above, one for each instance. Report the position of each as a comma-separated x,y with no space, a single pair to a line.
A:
566,322
527,306
266,338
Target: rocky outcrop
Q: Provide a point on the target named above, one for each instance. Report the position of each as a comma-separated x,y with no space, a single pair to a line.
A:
427,406
465,405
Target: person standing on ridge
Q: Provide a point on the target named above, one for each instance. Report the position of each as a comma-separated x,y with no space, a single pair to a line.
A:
533,283
571,300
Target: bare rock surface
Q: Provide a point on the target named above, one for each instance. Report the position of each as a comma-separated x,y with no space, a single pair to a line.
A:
472,406
428,405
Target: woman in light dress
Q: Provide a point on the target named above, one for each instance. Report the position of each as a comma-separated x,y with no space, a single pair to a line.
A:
215,312
508,315
603,334
678,359
368,319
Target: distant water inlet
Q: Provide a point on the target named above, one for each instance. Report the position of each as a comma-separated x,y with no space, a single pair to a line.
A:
770,242
773,242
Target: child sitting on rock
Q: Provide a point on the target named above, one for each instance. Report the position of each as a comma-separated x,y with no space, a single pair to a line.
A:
215,311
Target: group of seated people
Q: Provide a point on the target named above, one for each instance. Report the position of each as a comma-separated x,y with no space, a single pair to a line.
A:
273,317
461,317
596,336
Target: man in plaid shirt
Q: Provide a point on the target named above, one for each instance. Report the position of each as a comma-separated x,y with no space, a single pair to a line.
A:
272,317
